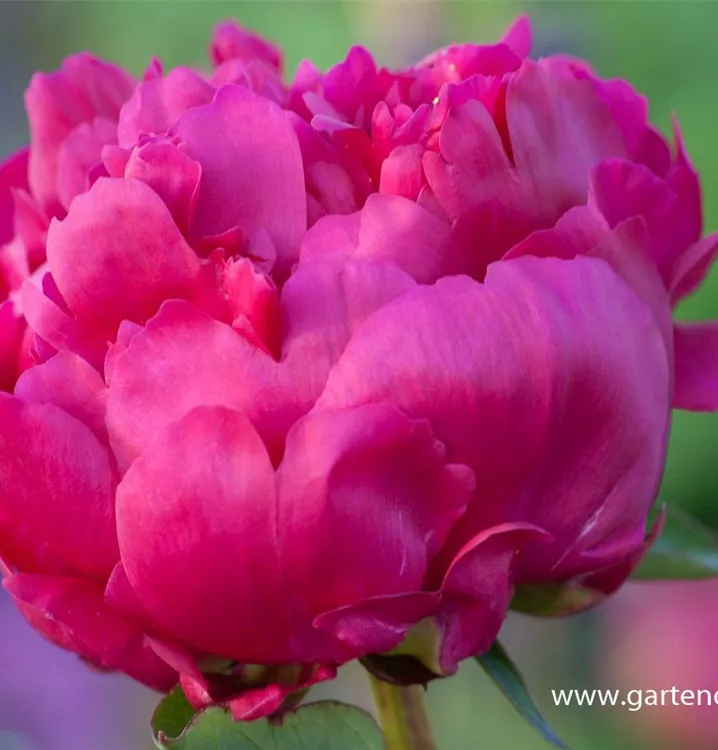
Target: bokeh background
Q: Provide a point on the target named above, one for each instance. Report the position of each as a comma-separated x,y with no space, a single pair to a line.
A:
649,636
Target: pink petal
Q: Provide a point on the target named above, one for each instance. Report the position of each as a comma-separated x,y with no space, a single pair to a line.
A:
56,328
230,42
622,190
83,89
378,624
692,266
252,176
393,229
477,591
171,174
157,104
11,334
519,36
441,353
196,520
71,383
321,306
58,477
121,225
13,175
70,612
79,153
366,478
696,353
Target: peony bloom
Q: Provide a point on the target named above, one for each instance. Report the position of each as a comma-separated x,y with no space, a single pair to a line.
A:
290,411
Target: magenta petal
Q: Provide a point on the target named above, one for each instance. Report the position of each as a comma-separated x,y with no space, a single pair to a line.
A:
692,266
365,478
440,353
171,174
71,383
13,175
122,225
391,229
57,476
83,89
696,353
477,591
252,177
378,624
140,404
79,154
11,334
55,327
196,520
230,42
70,612
157,104
519,37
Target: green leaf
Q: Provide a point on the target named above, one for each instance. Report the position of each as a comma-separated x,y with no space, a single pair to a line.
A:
326,725
685,550
171,716
499,666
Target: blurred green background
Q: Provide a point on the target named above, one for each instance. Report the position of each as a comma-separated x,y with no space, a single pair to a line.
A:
666,49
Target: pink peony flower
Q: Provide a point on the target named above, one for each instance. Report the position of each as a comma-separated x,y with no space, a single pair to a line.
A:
287,414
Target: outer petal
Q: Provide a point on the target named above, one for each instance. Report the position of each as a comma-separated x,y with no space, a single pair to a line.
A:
252,176
696,352
365,500
70,612
119,254
57,477
196,519
84,88
572,449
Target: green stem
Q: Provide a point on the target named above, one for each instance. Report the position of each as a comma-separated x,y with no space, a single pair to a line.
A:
403,716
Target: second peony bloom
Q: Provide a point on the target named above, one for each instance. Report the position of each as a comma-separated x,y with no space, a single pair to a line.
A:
318,371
